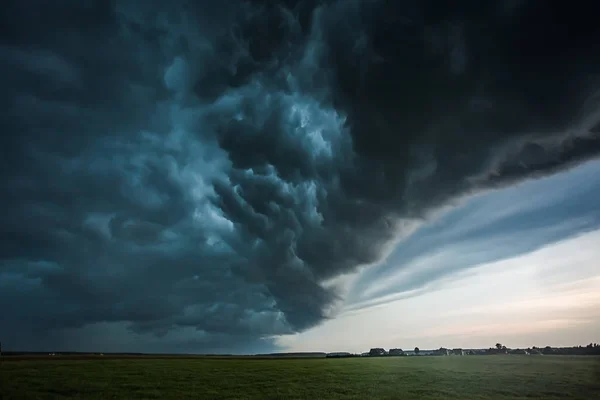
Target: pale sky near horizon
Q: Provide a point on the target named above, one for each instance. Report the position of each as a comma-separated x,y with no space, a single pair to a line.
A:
520,307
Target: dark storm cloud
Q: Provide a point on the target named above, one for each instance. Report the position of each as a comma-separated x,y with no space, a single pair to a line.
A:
207,166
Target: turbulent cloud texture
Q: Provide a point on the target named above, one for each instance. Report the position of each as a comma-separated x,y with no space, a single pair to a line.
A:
196,171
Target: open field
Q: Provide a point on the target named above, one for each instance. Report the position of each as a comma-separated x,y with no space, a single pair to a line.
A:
469,377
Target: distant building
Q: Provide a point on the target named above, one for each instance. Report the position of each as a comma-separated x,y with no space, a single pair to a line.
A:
441,352
457,352
396,352
377,352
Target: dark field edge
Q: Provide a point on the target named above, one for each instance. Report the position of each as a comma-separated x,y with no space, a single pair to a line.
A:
87,357
99,357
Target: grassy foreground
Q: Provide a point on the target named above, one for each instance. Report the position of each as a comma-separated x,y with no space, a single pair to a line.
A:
469,377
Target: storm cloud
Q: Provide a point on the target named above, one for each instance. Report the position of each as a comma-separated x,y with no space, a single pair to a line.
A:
196,172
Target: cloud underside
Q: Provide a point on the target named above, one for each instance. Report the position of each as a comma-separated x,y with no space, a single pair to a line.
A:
201,170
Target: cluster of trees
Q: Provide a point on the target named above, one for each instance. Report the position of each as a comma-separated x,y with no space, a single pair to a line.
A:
377,352
498,349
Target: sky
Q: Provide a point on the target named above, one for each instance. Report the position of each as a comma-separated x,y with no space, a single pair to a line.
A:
256,176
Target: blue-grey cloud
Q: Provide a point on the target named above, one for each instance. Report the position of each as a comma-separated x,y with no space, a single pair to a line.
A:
483,229
207,166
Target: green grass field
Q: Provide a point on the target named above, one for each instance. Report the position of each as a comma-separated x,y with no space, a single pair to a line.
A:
469,377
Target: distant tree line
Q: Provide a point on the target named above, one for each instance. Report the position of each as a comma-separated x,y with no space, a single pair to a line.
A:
590,349
499,348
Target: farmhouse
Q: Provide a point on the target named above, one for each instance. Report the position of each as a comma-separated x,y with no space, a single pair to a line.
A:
396,352
377,352
441,352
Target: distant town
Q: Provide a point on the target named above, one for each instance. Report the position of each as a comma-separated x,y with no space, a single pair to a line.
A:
498,349
590,349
